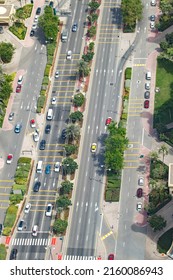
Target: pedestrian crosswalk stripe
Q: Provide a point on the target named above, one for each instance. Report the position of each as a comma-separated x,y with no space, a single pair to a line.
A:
71,257
30,241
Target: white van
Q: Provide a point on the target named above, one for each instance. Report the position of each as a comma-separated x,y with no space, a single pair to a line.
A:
153,2
148,75
39,166
20,80
49,115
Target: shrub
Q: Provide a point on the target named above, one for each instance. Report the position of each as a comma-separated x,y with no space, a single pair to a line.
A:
50,60
7,231
20,181
124,116
47,70
128,73
43,92
51,49
79,99
6,52
91,46
24,160
24,12
15,198
45,80
3,252
41,101
19,30
10,216
39,109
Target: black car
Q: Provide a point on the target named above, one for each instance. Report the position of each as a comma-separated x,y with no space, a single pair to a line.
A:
152,18
64,134
51,4
47,128
32,33
38,11
147,95
13,254
1,228
42,145
37,186
1,30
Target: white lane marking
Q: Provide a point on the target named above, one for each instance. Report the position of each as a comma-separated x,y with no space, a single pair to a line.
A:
127,210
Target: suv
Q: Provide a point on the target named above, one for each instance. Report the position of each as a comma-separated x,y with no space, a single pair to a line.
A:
49,210
74,27
17,128
11,116
37,186
38,11
20,225
13,254
47,128
139,192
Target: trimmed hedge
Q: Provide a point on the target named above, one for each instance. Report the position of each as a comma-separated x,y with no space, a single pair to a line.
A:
19,30
45,80
3,252
50,60
41,101
24,160
10,216
128,73
47,70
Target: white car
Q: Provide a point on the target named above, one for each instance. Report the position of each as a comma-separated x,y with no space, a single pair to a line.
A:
32,123
53,101
69,55
20,225
9,158
49,210
152,25
57,166
57,74
36,18
27,208
141,181
139,206
34,26
35,230
36,136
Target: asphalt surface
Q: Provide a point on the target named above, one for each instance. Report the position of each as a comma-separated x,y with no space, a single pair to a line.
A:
132,237
63,89
87,221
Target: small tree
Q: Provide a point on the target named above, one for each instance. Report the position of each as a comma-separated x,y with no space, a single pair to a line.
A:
59,226
66,187
163,150
76,116
78,99
6,52
84,69
92,31
69,166
88,57
157,222
92,18
154,156
63,202
72,132
94,5
91,46
70,149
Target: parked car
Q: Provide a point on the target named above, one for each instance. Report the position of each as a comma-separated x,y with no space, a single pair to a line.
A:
47,128
108,121
32,33
146,104
147,86
139,206
27,208
42,145
53,100
147,95
11,116
139,192
20,80
152,24
17,128
93,147
36,136
13,254
48,169
57,166
49,210
1,30
32,123
111,257
64,134
141,181
34,26
56,74
74,27
18,88
152,17
9,158
35,230
1,229
36,18
37,186
38,11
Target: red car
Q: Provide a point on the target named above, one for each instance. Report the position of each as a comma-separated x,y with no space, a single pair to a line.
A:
111,257
9,158
108,121
146,104
18,88
32,123
139,192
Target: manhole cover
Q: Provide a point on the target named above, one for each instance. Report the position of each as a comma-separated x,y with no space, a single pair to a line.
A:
111,84
138,82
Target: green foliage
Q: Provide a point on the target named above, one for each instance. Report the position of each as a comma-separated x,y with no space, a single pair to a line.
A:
3,252
59,226
157,222
79,99
15,198
76,116
66,187
50,59
24,12
92,18
47,70
92,31
7,231
41,101
165,241
72,132
158,170
10,216
6,52
24,160
91,46
131,11
88,57
50,24
70,149
51,49
112,195
19,30
94,5
128,73
45,80
43,92
84,69
62,203
69,166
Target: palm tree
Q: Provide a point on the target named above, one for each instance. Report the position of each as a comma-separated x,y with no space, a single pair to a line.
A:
83,68
72,131
154,156
164,151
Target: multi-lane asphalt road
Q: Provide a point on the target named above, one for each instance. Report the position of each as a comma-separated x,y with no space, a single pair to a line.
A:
63,88
87,222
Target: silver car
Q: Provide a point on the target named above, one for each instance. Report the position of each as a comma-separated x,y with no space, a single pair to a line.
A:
141,181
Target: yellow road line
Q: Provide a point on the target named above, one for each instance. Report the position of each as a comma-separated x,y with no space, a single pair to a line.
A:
137,115
64,64
3,207
132,142
108,42
65,97
10,181
7,187
64,86
65,90
106,235
52,150
139,65
65,102
50,157
4,201
4,194
53,200
42,195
